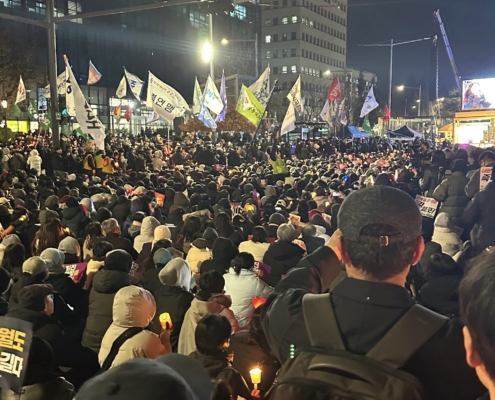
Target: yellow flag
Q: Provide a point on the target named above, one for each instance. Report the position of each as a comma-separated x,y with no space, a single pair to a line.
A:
249,107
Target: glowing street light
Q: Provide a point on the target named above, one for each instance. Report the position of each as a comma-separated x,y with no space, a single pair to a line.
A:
225,41
401,88
207,52
327,72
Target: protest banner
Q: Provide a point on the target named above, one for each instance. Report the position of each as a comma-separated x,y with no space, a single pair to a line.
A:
75,271
262,270
16,336
485,176
427,206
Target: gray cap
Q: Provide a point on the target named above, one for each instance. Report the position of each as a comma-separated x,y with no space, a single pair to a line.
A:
380,205
34,266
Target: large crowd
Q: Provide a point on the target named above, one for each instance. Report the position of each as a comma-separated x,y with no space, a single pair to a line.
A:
180,269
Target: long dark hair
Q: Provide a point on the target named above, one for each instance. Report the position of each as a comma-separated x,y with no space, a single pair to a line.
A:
93,232
190,231
13,258
50,235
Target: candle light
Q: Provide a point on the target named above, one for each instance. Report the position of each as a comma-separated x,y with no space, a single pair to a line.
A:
255,377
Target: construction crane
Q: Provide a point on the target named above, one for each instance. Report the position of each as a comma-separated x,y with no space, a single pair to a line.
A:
449,49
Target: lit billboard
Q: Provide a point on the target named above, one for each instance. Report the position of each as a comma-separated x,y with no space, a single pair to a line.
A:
478,94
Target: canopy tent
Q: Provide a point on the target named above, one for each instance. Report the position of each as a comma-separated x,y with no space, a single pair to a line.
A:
405,131
353,132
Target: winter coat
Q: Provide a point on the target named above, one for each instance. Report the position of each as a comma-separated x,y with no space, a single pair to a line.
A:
76,220
449,240
441,294
281,257
157,161
251,350
258,250
223,252
473,185
219,368
182,202
132,307
106,283
480,212
119,243
453,197
312,243
147,233
121,208
430,249
34,161
321,233
203,305
242,289
431,179
56,389
199,252
65,286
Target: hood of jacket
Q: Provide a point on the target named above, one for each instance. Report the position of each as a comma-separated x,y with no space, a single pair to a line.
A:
176,273
202,244
270,191
214,304
34,153
133,306
180,199
320,230
108,282
201,214
71,213
224,249
134,229
148,226
213,364
122,199
158,154
285,250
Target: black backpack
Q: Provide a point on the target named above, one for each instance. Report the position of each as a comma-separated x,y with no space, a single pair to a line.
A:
326,371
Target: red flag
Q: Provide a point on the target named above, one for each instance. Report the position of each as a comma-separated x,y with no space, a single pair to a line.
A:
386,114
335,91
128,114
116,111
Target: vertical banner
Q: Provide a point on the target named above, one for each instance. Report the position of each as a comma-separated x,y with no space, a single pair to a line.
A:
16,336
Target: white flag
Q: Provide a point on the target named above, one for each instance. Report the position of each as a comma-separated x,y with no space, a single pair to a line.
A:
60,87
135,84
122,89
211,97
342,116
153,118
164,100
369,104
261,88
88,121
197,96
324,111
289,123
295,96
21,92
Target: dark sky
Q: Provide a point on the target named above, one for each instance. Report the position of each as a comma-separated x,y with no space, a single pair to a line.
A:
470,27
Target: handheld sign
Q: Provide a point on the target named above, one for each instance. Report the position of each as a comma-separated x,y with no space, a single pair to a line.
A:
427,206
16,336
485,176
262,270
75,271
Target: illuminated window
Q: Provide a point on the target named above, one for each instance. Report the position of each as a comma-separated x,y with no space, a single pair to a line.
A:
284,69
239,12
198,20
285,21
293,69
294,19
268,38
268,54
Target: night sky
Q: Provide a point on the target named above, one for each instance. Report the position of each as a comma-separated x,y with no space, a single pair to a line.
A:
470,26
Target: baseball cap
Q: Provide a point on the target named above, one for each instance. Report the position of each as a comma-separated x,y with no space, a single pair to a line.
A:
380,205
34,266
138,378
33,297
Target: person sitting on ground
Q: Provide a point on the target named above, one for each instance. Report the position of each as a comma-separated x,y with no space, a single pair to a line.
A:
96,263
258,245
212,338
71,249
161,232
147,232
223,253
134,307
93,232
243,285
150,280
111,232
200,250
210,299
308,235
446,235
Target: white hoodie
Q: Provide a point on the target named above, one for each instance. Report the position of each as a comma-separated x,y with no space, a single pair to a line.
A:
34,161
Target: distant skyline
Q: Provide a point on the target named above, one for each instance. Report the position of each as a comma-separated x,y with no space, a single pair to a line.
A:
470,27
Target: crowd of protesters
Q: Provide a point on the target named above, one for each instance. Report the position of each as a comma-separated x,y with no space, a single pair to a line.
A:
226,239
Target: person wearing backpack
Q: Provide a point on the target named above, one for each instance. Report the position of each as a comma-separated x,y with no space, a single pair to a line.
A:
366,339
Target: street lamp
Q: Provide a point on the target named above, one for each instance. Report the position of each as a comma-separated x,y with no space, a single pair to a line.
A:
401,89
207,52
225,42
327,73
4,106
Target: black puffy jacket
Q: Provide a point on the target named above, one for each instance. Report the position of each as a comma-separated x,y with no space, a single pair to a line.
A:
121,208
75,219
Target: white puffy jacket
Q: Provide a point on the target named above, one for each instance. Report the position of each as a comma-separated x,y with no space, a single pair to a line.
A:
258,250
242,289
132,307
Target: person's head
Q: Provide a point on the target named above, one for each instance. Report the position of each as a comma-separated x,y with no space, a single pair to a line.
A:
37,298
69,245
486,158
476,299
101,250
383,179
103,214
286,233
260,235
118,260
50,234
176,273
438,158
212,334
13,256
427,229
380,234
110,226
308,230
54,259
441,265
212,282
162,232
161,257
459,166
36,267
242,261
191,227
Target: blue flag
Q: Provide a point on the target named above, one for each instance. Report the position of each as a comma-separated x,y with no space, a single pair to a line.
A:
223,95
205,117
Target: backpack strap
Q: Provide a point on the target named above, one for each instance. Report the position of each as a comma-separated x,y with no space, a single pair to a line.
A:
407,336
117,344
321,324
